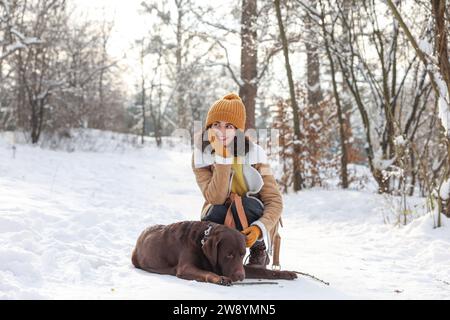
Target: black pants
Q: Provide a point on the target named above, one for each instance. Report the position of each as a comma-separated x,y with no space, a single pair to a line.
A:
252,207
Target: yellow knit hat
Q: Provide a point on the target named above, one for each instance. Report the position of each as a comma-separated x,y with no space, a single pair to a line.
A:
229,109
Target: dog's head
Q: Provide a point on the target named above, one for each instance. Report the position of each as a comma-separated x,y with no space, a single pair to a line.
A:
225,250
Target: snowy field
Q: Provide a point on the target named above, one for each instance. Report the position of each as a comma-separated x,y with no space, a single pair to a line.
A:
69,221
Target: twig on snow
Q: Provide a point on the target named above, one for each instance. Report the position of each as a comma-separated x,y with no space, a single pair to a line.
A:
312,277
253,283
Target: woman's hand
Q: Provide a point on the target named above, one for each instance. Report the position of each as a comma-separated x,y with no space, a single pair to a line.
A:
219,148
251,235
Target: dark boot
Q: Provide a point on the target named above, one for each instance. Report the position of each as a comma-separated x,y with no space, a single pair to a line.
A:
258,255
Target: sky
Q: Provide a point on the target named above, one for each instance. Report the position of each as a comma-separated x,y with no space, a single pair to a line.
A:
129,24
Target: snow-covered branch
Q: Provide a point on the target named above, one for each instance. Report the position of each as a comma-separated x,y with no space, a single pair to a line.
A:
11,39
424,50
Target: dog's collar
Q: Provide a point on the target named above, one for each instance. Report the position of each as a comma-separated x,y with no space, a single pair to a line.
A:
206,234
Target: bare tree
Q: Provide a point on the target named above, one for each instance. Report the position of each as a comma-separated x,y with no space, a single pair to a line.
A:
337,99
37,77
249,59
181,6
64,80
315,94
259,45
104,37
185,50
297,172
11,39
143,86
438,69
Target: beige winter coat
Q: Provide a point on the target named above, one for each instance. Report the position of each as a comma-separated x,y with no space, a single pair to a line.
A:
214,176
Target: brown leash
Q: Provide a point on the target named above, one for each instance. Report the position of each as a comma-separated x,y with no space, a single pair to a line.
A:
276,252
229,220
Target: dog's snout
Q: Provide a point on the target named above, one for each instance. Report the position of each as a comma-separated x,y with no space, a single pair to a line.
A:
238,276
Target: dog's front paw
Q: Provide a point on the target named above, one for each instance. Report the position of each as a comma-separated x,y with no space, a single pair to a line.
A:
224,281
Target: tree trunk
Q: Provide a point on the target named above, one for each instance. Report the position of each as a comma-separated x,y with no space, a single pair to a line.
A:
441,36
344,173
37,120
157,119
143,90
297,173
441,46
315,95
346,103
180,89
249,59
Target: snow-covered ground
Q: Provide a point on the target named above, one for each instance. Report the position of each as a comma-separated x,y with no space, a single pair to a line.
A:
69,221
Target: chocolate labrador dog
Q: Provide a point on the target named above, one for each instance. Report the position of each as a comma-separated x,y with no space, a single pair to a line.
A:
198,250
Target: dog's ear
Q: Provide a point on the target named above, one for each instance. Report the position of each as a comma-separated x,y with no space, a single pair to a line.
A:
210,249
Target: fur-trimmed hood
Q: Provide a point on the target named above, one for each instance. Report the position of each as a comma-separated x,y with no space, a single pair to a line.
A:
256,154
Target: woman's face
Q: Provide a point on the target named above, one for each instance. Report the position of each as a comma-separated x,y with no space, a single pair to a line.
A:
224,131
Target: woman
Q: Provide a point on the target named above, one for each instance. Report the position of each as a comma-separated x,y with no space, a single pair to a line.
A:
227,163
